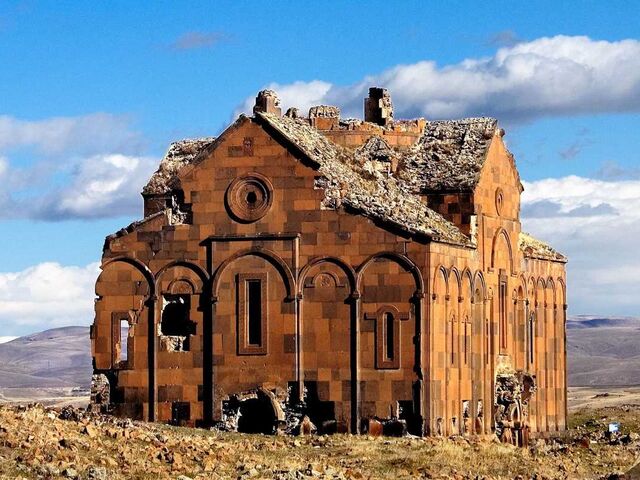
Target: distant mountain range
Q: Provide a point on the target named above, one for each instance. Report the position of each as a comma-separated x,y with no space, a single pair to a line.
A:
601,351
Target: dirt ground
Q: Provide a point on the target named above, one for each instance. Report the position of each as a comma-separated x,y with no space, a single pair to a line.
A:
50,442
599,397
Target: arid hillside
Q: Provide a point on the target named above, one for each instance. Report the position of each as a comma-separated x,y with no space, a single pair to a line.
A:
51,366
603,351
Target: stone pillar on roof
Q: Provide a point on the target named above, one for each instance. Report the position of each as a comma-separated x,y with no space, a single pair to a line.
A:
267,101
378,107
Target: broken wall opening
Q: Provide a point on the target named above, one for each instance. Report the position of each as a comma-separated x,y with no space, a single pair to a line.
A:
511,400
176,326
256,411
322,413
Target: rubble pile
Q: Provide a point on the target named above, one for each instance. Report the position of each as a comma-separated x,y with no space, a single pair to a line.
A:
69,443
374,194
178,155
535,248
449,155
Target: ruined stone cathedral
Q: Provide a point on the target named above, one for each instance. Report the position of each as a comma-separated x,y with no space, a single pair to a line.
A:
351,271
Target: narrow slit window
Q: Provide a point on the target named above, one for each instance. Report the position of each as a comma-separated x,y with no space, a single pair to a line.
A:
121,327
452,339
389,336
503,314
124,336
254,311
531,338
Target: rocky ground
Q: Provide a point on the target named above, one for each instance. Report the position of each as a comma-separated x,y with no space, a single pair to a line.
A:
48,442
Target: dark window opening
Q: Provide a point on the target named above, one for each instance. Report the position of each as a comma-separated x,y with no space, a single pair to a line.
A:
254,311
503,314
452,335
252,198
531,338
389,340
467,339
180,413
175,325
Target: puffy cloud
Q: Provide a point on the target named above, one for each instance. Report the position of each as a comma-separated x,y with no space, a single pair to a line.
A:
81,167
101,186
596,223
504,38
297,94
96,187
560,75
47,295
82,135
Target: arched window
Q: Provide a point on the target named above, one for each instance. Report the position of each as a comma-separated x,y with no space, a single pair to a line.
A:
502,309
388,338
531,337
452,338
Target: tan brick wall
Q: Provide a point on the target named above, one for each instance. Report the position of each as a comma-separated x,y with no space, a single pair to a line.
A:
326,294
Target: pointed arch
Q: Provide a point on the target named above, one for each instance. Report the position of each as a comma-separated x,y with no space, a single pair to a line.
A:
479,283
453,272
440,272
561,293
270,256
501,233
550,294
468,276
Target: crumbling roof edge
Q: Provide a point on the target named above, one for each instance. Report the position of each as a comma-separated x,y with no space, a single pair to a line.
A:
267,123
536,249
264,121
197,159
133,226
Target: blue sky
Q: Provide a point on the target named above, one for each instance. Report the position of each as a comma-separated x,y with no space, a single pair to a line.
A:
91,95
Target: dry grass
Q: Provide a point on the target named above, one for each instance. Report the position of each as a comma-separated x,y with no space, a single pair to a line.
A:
34,443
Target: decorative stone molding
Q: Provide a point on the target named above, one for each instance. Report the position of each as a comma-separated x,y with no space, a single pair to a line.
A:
249,197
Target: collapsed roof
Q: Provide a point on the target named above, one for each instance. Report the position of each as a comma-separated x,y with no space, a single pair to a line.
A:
347,182
179,155
448,156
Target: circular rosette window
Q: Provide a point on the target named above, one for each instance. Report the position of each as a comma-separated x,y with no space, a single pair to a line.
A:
249,197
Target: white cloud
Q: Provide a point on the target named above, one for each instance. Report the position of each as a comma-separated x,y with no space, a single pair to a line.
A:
6,339
298,94
100,186
81,167
47,295
601,242
560,75
96,187
82,135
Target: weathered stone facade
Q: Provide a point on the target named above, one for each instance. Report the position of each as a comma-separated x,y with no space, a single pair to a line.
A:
346,270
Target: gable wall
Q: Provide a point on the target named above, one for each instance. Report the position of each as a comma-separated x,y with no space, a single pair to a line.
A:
334,241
